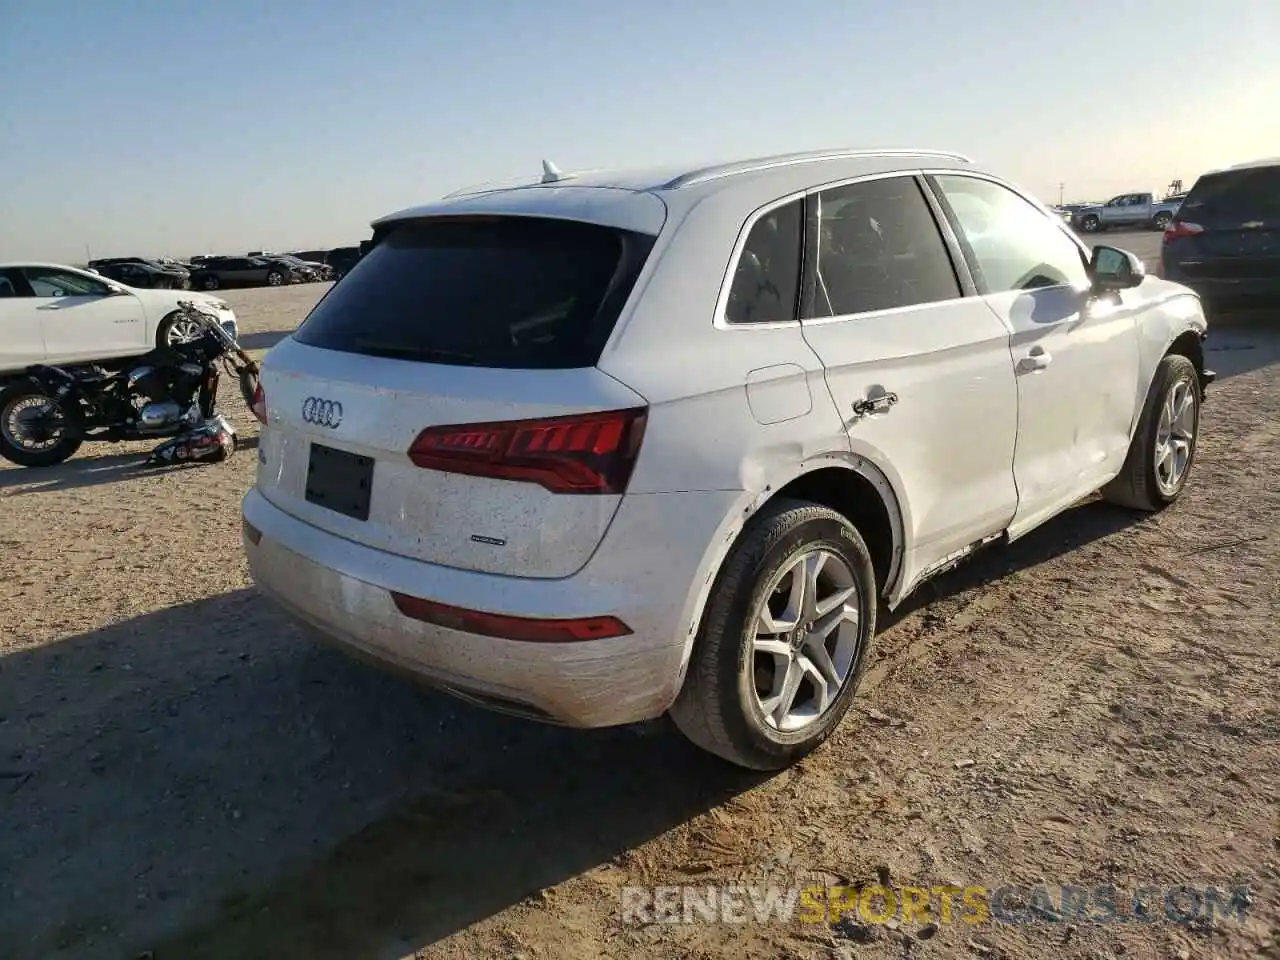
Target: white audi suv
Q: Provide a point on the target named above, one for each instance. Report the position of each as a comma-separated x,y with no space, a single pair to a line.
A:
611,445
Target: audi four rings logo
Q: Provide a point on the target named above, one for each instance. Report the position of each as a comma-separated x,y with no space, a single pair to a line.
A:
321,412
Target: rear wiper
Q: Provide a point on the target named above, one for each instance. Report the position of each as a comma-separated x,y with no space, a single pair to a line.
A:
420,354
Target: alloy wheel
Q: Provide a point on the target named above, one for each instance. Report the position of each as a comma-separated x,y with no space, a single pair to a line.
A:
1175,436
182,330
804,639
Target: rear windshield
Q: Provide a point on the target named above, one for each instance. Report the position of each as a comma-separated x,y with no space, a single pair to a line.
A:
514,292
1234,196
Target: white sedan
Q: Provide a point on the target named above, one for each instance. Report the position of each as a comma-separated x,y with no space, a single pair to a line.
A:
60,315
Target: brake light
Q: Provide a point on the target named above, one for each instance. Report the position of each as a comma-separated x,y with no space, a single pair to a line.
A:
583,453
259,404
527,629
1181,228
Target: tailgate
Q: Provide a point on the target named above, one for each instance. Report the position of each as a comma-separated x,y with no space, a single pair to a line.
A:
335,455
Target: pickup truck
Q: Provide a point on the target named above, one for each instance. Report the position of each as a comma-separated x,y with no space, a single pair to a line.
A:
1141,210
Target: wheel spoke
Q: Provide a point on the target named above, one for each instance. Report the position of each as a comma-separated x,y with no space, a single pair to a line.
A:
835,600
1184,419
821,687
771,647
779,705
789,619
813,564
816,655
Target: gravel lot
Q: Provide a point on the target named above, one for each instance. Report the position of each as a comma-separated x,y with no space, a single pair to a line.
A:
182,771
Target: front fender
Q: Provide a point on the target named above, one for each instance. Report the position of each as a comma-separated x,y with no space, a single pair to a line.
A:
1172,311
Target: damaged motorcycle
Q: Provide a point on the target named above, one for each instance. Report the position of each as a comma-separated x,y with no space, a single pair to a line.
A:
170,392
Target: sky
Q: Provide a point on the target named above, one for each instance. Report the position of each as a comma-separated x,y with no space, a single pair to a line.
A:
176,127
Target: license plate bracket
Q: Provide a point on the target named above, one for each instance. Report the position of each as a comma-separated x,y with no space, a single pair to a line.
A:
340,481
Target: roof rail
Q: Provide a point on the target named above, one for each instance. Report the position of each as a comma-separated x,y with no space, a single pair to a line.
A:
788,159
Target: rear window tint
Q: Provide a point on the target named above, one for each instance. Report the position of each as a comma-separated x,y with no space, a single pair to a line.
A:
1235,195
513,292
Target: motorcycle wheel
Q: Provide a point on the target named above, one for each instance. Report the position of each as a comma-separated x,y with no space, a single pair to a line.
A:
19,442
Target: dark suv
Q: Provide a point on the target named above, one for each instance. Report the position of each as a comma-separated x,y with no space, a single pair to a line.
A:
137,272
1224,241
342,259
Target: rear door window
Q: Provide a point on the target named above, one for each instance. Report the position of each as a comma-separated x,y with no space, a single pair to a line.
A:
879,248
511,292
1234,197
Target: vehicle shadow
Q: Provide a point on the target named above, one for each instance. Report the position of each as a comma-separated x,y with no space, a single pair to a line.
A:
207,781
93,471
263,340
1241,341
214,749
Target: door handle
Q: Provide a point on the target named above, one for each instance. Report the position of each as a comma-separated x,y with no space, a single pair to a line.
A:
1037,359
874,404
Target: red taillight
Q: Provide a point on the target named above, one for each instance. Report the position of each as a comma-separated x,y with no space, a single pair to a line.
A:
584,453
259,404
527,629
1181,228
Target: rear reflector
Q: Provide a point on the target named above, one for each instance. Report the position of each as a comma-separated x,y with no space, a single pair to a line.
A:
583,453
259,404
1181,228
527,629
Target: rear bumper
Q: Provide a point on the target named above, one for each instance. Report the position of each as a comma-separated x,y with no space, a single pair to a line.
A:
1223,290
343,590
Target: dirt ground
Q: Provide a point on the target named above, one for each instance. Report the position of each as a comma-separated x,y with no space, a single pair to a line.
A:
185,774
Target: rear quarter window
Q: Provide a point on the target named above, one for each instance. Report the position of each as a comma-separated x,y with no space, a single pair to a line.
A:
511,292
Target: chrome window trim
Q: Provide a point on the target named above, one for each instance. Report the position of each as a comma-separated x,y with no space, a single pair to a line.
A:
721,321
722,302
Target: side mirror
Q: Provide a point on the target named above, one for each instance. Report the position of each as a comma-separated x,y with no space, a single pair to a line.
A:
1111,268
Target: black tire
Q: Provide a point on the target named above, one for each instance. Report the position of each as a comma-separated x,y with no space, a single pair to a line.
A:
1161,221
1137,486
275,279
210,282
64,449
1090,224
717,707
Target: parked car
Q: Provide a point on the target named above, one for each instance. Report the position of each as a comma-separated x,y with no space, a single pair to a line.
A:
1131,210
1224,241
1063,212
146,274
218,272
341,259
304,272
50,313
559,461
